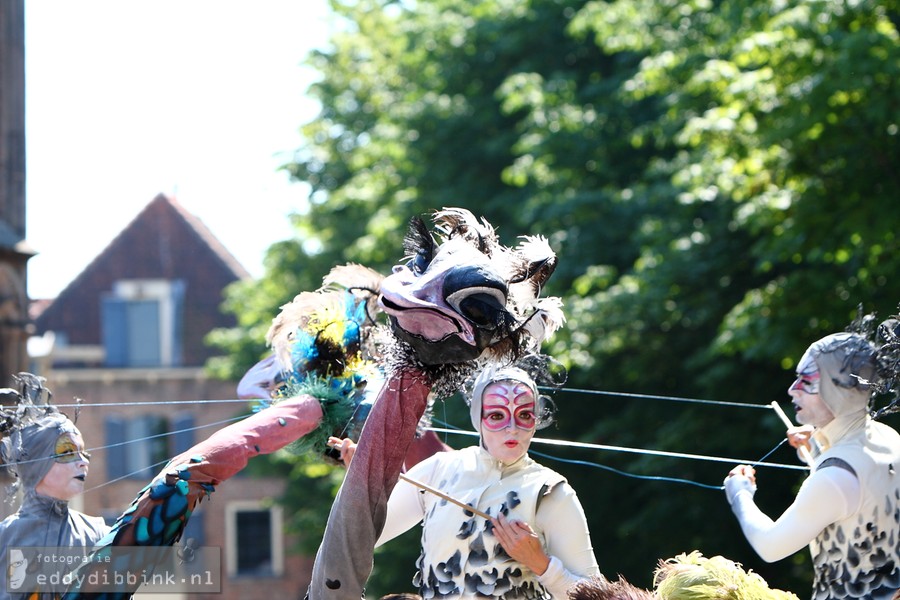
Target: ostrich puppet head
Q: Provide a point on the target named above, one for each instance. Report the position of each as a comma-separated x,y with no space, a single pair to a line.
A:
459,300
462,299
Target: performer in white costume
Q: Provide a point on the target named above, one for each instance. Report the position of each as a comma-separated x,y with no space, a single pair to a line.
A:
536,543
848,509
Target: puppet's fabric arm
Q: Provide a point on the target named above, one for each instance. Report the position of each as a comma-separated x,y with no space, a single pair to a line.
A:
159,514
345,557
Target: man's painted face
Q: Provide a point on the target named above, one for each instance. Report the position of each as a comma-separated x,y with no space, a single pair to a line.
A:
806,382
807,375
804,393
65,479
507,419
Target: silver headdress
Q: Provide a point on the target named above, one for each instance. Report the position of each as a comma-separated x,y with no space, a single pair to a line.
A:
30,425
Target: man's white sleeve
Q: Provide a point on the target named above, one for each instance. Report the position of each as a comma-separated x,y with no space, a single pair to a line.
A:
826,496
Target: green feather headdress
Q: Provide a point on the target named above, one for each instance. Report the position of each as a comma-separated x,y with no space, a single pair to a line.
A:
694,577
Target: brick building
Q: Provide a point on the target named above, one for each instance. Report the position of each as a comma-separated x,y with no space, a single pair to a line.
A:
126,338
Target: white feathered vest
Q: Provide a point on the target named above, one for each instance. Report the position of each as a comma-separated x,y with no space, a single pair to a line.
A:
460,557
859,557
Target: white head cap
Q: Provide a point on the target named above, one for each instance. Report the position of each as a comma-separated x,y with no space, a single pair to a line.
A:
492,374
847,368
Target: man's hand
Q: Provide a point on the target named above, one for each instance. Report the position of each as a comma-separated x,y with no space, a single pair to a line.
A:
799,436
740,478
346,447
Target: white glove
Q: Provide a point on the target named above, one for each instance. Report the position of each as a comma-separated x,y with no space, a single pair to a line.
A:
735,484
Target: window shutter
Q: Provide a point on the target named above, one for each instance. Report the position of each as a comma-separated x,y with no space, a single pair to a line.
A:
195,530
178,290
114,331
183,435
143,334
114,433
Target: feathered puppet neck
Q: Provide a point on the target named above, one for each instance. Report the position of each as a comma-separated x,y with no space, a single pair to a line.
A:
689,576
324,345
693,576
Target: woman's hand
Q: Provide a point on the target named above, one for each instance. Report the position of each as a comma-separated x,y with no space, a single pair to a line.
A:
521,543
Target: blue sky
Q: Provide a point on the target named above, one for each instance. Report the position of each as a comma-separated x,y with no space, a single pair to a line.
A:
199,99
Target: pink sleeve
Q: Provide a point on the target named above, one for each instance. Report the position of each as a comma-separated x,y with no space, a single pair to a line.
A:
227,451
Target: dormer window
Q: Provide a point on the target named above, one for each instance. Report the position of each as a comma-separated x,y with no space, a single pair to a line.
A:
142,323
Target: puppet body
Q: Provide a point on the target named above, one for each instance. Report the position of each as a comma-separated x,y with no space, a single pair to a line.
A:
461,301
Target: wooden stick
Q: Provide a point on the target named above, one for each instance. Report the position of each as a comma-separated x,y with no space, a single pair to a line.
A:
441,494
804,451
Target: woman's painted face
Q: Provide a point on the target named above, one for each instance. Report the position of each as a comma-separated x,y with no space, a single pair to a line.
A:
70,448
65,479
507,419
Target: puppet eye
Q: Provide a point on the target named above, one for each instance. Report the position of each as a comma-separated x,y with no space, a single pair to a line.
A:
419,263
419,246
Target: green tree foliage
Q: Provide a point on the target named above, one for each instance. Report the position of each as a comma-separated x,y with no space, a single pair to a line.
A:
719,179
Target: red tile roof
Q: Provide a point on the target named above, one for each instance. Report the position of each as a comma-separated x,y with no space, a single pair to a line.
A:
164,241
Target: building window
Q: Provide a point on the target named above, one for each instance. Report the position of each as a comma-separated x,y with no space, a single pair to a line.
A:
142,323
253,537
135,446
